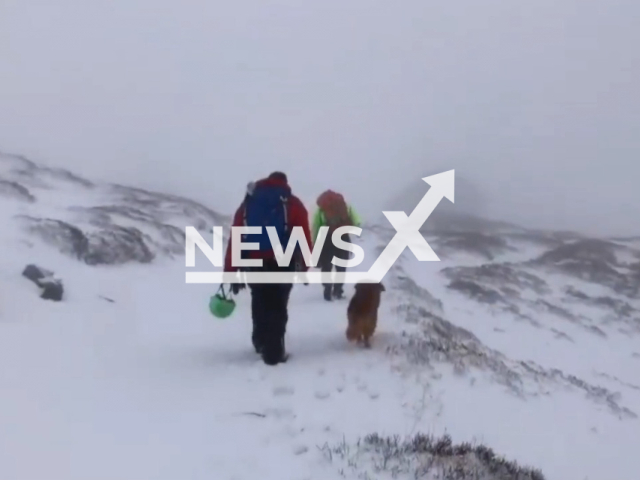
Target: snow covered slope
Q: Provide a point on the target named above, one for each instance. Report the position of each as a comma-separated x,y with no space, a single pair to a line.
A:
518,341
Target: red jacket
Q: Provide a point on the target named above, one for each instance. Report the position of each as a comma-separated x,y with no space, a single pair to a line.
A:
296,213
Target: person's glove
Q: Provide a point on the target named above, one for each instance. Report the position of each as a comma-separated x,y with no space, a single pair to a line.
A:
236,287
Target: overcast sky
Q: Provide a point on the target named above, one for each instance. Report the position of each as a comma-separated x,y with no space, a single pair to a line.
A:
538,101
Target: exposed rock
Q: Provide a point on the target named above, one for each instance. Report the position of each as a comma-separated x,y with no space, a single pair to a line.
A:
587,250
556,310
52,288
439,341
117,224
562,335
506,285
115,245
500,275
476,292
15,162
67,238
619,307
167,238
592,261
408,286
67,176
34,174
15,190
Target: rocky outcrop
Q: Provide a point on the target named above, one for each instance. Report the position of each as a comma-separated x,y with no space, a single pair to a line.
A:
594,261
164,207
109,246
495,282
438,340
51,287
116,224
517,288
14,190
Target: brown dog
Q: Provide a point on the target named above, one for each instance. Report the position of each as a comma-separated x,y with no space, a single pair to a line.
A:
362,312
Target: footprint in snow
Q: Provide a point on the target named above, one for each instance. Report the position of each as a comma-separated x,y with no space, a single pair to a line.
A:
283,391
371,392
300,449
279,413
292,431
322,394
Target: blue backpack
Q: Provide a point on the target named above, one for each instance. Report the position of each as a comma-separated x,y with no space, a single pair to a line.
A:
267,207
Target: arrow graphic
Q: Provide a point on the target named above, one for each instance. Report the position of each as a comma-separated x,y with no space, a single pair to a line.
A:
408,228
407,235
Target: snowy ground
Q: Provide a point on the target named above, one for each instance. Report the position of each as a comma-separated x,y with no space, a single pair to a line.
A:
151,386
561,432
131,377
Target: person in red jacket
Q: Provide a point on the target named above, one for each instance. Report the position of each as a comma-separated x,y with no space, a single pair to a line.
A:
270,202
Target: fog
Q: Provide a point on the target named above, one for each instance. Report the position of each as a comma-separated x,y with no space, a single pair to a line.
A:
537,102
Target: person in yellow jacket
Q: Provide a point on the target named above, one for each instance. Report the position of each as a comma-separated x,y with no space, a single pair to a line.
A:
333,212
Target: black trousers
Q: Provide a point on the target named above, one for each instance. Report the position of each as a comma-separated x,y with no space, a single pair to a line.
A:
270,315
329,250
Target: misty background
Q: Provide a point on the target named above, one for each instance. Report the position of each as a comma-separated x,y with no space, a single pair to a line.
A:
537,103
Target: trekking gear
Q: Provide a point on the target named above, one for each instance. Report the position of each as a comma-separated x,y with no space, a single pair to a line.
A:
220,305
273,354
236,287
267,207
269,314
335,209
319,220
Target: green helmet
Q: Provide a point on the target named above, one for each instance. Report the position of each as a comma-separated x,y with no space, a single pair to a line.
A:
220,305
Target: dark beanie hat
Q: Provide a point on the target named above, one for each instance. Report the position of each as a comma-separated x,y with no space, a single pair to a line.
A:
278,176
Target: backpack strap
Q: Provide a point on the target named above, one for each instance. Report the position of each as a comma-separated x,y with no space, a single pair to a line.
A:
285,205
244,213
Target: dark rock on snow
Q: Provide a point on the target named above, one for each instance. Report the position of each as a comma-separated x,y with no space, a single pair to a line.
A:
51,287
15,190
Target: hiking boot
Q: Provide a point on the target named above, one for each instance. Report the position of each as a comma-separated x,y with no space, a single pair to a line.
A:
327,293
338,292
275,354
